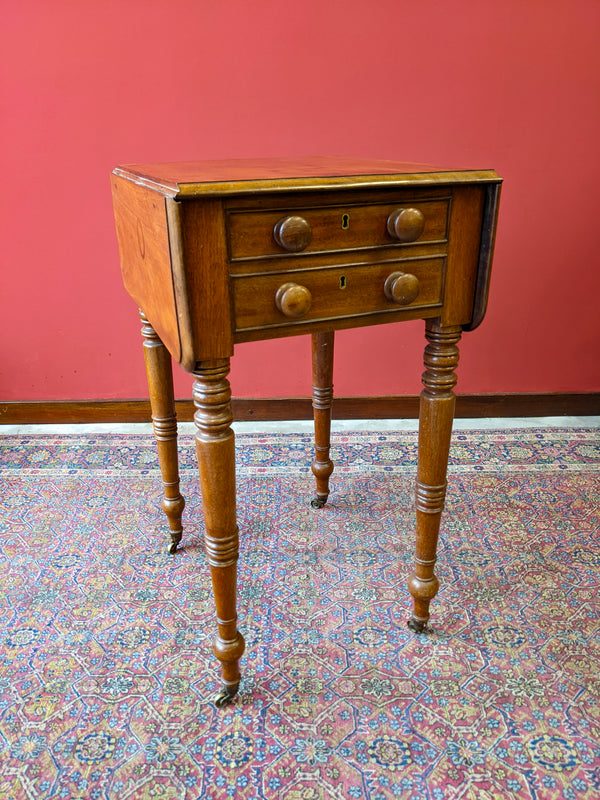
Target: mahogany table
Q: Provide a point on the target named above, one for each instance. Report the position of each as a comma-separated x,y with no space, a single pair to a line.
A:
220,252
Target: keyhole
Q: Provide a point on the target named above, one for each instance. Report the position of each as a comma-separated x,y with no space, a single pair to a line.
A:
342,282
345,221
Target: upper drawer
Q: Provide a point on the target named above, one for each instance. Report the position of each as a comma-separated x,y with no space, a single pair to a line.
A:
331,228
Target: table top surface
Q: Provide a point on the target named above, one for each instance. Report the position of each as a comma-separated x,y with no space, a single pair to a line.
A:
234,176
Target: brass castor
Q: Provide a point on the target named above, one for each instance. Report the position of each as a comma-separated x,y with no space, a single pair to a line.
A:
317,502
418,625
225,697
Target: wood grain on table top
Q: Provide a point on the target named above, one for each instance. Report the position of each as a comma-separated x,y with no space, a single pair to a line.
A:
233,176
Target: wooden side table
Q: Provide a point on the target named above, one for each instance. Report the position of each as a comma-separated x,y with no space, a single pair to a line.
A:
220,252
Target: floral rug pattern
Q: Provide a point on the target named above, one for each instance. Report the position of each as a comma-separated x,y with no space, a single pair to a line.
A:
106,673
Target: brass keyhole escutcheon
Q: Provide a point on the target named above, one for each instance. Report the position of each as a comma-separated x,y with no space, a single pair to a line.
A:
342,281
345,222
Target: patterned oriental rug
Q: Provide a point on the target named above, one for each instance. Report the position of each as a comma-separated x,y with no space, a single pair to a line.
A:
106,673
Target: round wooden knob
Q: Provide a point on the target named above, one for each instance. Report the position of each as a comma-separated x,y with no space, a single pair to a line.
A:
401,288
292,233
406,224
293,300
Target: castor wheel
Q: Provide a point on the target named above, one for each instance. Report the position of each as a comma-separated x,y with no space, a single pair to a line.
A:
173,548
317,503
418,625
225,697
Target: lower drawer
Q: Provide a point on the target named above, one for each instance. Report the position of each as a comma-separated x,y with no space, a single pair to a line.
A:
330,293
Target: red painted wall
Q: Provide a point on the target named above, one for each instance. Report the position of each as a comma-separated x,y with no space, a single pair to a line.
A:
86,85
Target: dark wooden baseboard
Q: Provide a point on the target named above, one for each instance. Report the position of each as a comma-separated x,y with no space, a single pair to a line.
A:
293,408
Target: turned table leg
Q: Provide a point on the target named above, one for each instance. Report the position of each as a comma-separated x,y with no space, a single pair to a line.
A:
322,398
216,464
162,403
435,429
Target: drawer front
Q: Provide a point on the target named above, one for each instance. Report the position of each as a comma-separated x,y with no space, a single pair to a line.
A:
320,229
336,292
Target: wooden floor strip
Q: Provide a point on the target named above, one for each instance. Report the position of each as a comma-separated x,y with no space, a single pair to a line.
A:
295,408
